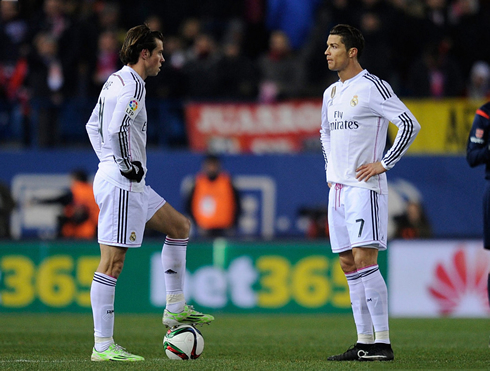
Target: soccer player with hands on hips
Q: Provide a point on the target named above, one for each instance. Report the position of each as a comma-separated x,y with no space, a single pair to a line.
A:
478,153
356,112
117,131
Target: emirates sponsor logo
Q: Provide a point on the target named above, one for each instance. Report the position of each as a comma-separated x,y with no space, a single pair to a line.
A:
461,284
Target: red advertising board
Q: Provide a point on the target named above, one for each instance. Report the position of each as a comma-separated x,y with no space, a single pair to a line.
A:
254,128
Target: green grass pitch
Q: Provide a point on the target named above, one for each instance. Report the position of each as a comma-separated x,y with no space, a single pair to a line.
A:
242,342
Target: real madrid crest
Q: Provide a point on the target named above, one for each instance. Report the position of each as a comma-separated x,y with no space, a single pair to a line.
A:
132,238
334,90
354,101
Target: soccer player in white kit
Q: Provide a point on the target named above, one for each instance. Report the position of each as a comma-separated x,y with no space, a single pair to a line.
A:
117,130
356,111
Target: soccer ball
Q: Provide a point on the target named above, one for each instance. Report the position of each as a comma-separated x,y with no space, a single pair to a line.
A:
183,342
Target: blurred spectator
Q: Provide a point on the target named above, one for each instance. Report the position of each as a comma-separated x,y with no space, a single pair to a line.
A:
217,17
109,19
214,202
189,31
154,23
436,20
383,10
168,84
280,70
381,23
101,29
436,74
317,221
166,91
406,23
238,77
377,43
13,71
45,81
14,32
341,11
107,58
413,223
316,76
52,19
201,69
7,205
470,30
80,213
294,18
479,84
55,23
255,35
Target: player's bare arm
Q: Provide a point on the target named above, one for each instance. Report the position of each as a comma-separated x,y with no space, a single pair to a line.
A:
365,172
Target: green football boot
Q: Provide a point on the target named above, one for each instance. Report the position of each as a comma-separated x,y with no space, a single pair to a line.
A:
188,316
115,353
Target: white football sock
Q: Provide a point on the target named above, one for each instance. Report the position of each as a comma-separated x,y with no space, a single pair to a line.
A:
377,301
102,295
362,318
173,261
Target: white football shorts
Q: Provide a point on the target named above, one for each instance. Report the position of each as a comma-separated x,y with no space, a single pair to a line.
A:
123,214
357,217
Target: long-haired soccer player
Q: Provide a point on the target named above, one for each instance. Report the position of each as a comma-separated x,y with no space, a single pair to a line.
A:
117,130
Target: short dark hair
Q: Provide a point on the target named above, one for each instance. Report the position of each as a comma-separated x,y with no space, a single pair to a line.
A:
350,36
80,175
137,39
211,157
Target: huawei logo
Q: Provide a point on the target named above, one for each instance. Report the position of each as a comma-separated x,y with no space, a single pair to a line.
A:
461,284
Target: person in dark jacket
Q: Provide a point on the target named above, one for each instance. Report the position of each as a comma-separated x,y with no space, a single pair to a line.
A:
478,153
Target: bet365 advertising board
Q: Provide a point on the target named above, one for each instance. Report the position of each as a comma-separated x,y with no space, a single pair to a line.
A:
222,276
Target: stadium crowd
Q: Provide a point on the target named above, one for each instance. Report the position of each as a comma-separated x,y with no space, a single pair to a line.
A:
56,54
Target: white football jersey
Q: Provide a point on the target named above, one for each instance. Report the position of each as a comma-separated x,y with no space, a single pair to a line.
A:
355,118
117,127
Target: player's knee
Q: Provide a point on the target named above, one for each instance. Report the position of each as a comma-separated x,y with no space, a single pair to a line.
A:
347,267
186,227
181,229
364,261
117,269
111,268
347,262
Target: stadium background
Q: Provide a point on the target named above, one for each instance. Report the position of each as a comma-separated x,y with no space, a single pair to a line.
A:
273,152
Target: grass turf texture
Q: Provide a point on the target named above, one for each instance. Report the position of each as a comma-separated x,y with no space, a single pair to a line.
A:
242,342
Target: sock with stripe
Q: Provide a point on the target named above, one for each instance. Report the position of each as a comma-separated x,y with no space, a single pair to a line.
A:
102,295
362,317
173,261
377,301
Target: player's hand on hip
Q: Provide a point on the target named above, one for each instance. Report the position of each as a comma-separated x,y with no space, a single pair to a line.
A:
136,173
365,172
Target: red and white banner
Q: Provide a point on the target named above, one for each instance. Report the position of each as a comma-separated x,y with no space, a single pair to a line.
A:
253,128
438,278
